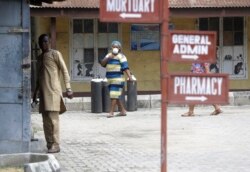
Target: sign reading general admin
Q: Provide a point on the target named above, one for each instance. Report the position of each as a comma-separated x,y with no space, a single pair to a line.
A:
192,46
192,88
133,11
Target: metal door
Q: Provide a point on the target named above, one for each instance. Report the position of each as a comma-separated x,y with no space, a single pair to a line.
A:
14,76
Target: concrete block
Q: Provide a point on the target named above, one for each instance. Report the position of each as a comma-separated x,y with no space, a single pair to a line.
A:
87,103
143,101
231,98
36,164
75,104
241,98
31,162
155,101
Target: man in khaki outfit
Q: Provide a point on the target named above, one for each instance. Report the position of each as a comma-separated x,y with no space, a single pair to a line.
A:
50,67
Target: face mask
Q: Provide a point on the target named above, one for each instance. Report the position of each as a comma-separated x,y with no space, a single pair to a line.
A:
115,50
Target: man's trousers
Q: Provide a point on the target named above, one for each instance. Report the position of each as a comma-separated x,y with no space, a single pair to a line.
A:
51,128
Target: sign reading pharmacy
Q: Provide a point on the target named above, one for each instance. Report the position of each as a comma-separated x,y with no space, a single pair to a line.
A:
136,11
192,46
189,88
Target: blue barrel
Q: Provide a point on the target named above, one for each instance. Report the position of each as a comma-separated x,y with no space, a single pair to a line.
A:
96,95
132,95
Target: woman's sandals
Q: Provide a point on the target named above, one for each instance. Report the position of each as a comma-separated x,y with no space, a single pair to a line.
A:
188,114
216,112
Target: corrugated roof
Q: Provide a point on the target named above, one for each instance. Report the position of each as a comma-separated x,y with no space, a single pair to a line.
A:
71,4
172,4
208,3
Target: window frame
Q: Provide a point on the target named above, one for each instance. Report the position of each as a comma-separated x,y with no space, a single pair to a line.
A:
221,48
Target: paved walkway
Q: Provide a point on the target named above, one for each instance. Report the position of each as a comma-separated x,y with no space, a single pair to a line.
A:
93,143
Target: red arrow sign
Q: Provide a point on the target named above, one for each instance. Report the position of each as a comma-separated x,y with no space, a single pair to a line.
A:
192,46
134,11
198,88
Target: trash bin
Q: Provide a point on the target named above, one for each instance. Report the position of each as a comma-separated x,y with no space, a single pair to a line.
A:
96,95
105,96
132,95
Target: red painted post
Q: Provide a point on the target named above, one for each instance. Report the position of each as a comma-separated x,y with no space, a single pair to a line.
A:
164,75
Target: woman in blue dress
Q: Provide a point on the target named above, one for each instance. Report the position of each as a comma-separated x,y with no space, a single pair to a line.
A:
116,65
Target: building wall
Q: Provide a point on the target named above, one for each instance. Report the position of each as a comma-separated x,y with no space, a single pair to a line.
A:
145,65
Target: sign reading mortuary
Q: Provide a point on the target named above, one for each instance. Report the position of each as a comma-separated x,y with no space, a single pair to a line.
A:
134,11
192,46
198,88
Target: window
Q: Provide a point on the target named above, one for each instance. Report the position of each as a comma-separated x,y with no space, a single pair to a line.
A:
210,24
78,28
107,27
145,37
90,43
102,52
83,26
233,31
88,26
231,57
113,28
102,27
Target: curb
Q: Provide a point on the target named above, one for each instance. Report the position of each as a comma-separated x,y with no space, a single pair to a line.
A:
150,101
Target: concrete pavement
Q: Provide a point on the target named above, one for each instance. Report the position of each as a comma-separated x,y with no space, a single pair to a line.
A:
93,143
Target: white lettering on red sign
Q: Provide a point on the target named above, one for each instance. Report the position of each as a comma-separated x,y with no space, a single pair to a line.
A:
132,6
198,85
190,44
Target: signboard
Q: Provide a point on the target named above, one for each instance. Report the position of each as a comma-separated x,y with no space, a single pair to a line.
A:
192,46
189,88
133,11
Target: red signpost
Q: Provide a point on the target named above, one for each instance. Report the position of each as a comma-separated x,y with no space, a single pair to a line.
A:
192,45
189,88
133,11
145,11
178,46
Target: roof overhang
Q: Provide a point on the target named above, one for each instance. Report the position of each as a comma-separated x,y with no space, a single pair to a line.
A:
209,12
65,12
174,12
39,2
178,8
